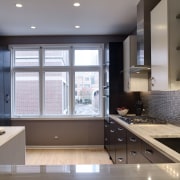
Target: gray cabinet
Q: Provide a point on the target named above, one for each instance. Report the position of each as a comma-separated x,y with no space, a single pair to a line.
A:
134,150
5,87
165,42
106,135
120,145
126,148
153,155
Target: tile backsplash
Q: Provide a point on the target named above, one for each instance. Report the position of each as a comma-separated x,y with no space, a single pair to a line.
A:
162,104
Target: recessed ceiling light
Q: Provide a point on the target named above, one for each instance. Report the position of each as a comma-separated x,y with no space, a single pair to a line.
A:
33,27
18,5
77,27
76,4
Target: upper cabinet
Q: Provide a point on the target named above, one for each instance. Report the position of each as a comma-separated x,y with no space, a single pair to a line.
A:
165,46
135,79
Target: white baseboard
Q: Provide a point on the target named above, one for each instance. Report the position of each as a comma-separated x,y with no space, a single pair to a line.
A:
67,147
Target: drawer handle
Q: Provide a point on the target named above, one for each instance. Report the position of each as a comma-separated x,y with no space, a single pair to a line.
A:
120,159
120,139
133,139
112,131
133,153
120,129
112,122
149,151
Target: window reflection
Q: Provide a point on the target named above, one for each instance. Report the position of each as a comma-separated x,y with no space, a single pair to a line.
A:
87,168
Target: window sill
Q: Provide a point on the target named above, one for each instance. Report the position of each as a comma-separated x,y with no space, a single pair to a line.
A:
79,118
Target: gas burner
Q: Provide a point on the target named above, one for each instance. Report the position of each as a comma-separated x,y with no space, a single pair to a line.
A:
141,120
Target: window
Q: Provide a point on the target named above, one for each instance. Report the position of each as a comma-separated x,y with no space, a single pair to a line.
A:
55,81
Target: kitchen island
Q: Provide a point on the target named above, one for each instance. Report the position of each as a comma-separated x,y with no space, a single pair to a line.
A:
12,145
92,172
148,133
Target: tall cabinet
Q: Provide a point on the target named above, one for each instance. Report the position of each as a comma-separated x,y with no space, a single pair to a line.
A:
5,87
165,46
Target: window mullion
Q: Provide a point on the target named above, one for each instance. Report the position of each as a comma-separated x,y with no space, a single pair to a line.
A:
41,82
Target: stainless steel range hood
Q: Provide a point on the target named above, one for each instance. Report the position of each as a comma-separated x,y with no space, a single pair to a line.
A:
140,68
143,61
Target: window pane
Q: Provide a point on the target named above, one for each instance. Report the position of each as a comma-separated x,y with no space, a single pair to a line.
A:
56,93
86,57
26,58
56,57
27,93
87,93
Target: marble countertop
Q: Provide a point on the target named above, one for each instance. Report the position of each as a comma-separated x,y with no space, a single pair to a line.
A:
10,132
147,132
92,172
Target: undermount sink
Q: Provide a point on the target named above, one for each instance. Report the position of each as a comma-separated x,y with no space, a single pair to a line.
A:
173,143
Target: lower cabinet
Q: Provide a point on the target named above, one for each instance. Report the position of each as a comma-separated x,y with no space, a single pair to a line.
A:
120,145
153,155
134,150
126,148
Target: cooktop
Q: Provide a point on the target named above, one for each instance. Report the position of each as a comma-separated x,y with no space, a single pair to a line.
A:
142,120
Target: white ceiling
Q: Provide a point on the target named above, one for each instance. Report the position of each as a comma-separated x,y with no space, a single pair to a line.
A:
58,17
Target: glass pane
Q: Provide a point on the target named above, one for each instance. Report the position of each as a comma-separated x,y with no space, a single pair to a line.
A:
27,93
86,57
26,57
56,93
56,57
87,93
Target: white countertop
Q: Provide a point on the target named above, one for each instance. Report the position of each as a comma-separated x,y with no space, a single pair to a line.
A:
92,172
10,132
148,132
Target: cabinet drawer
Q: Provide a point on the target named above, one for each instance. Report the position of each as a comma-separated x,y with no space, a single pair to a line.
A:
153,155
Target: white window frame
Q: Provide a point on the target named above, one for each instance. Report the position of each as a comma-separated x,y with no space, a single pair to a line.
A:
71,69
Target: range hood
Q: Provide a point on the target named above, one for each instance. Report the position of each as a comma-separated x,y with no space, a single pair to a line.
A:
143,61
140,69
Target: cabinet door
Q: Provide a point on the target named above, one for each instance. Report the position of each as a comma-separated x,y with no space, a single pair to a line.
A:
5,88
106,135
134,155
159,47
120,145
112,136
153,155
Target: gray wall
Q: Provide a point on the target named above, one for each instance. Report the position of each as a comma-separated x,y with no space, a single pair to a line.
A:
70,132
163,104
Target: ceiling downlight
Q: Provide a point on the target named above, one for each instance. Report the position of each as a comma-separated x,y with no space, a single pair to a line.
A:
18,5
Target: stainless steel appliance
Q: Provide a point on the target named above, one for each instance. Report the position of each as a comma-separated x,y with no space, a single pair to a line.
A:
141,120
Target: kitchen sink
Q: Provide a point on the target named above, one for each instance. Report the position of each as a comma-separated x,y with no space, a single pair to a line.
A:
173,143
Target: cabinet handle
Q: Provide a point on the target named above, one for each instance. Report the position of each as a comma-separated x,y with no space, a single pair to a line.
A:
111,122
152,81
120,159
133,153
7,97
149,151
120,129
120,139
132,139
